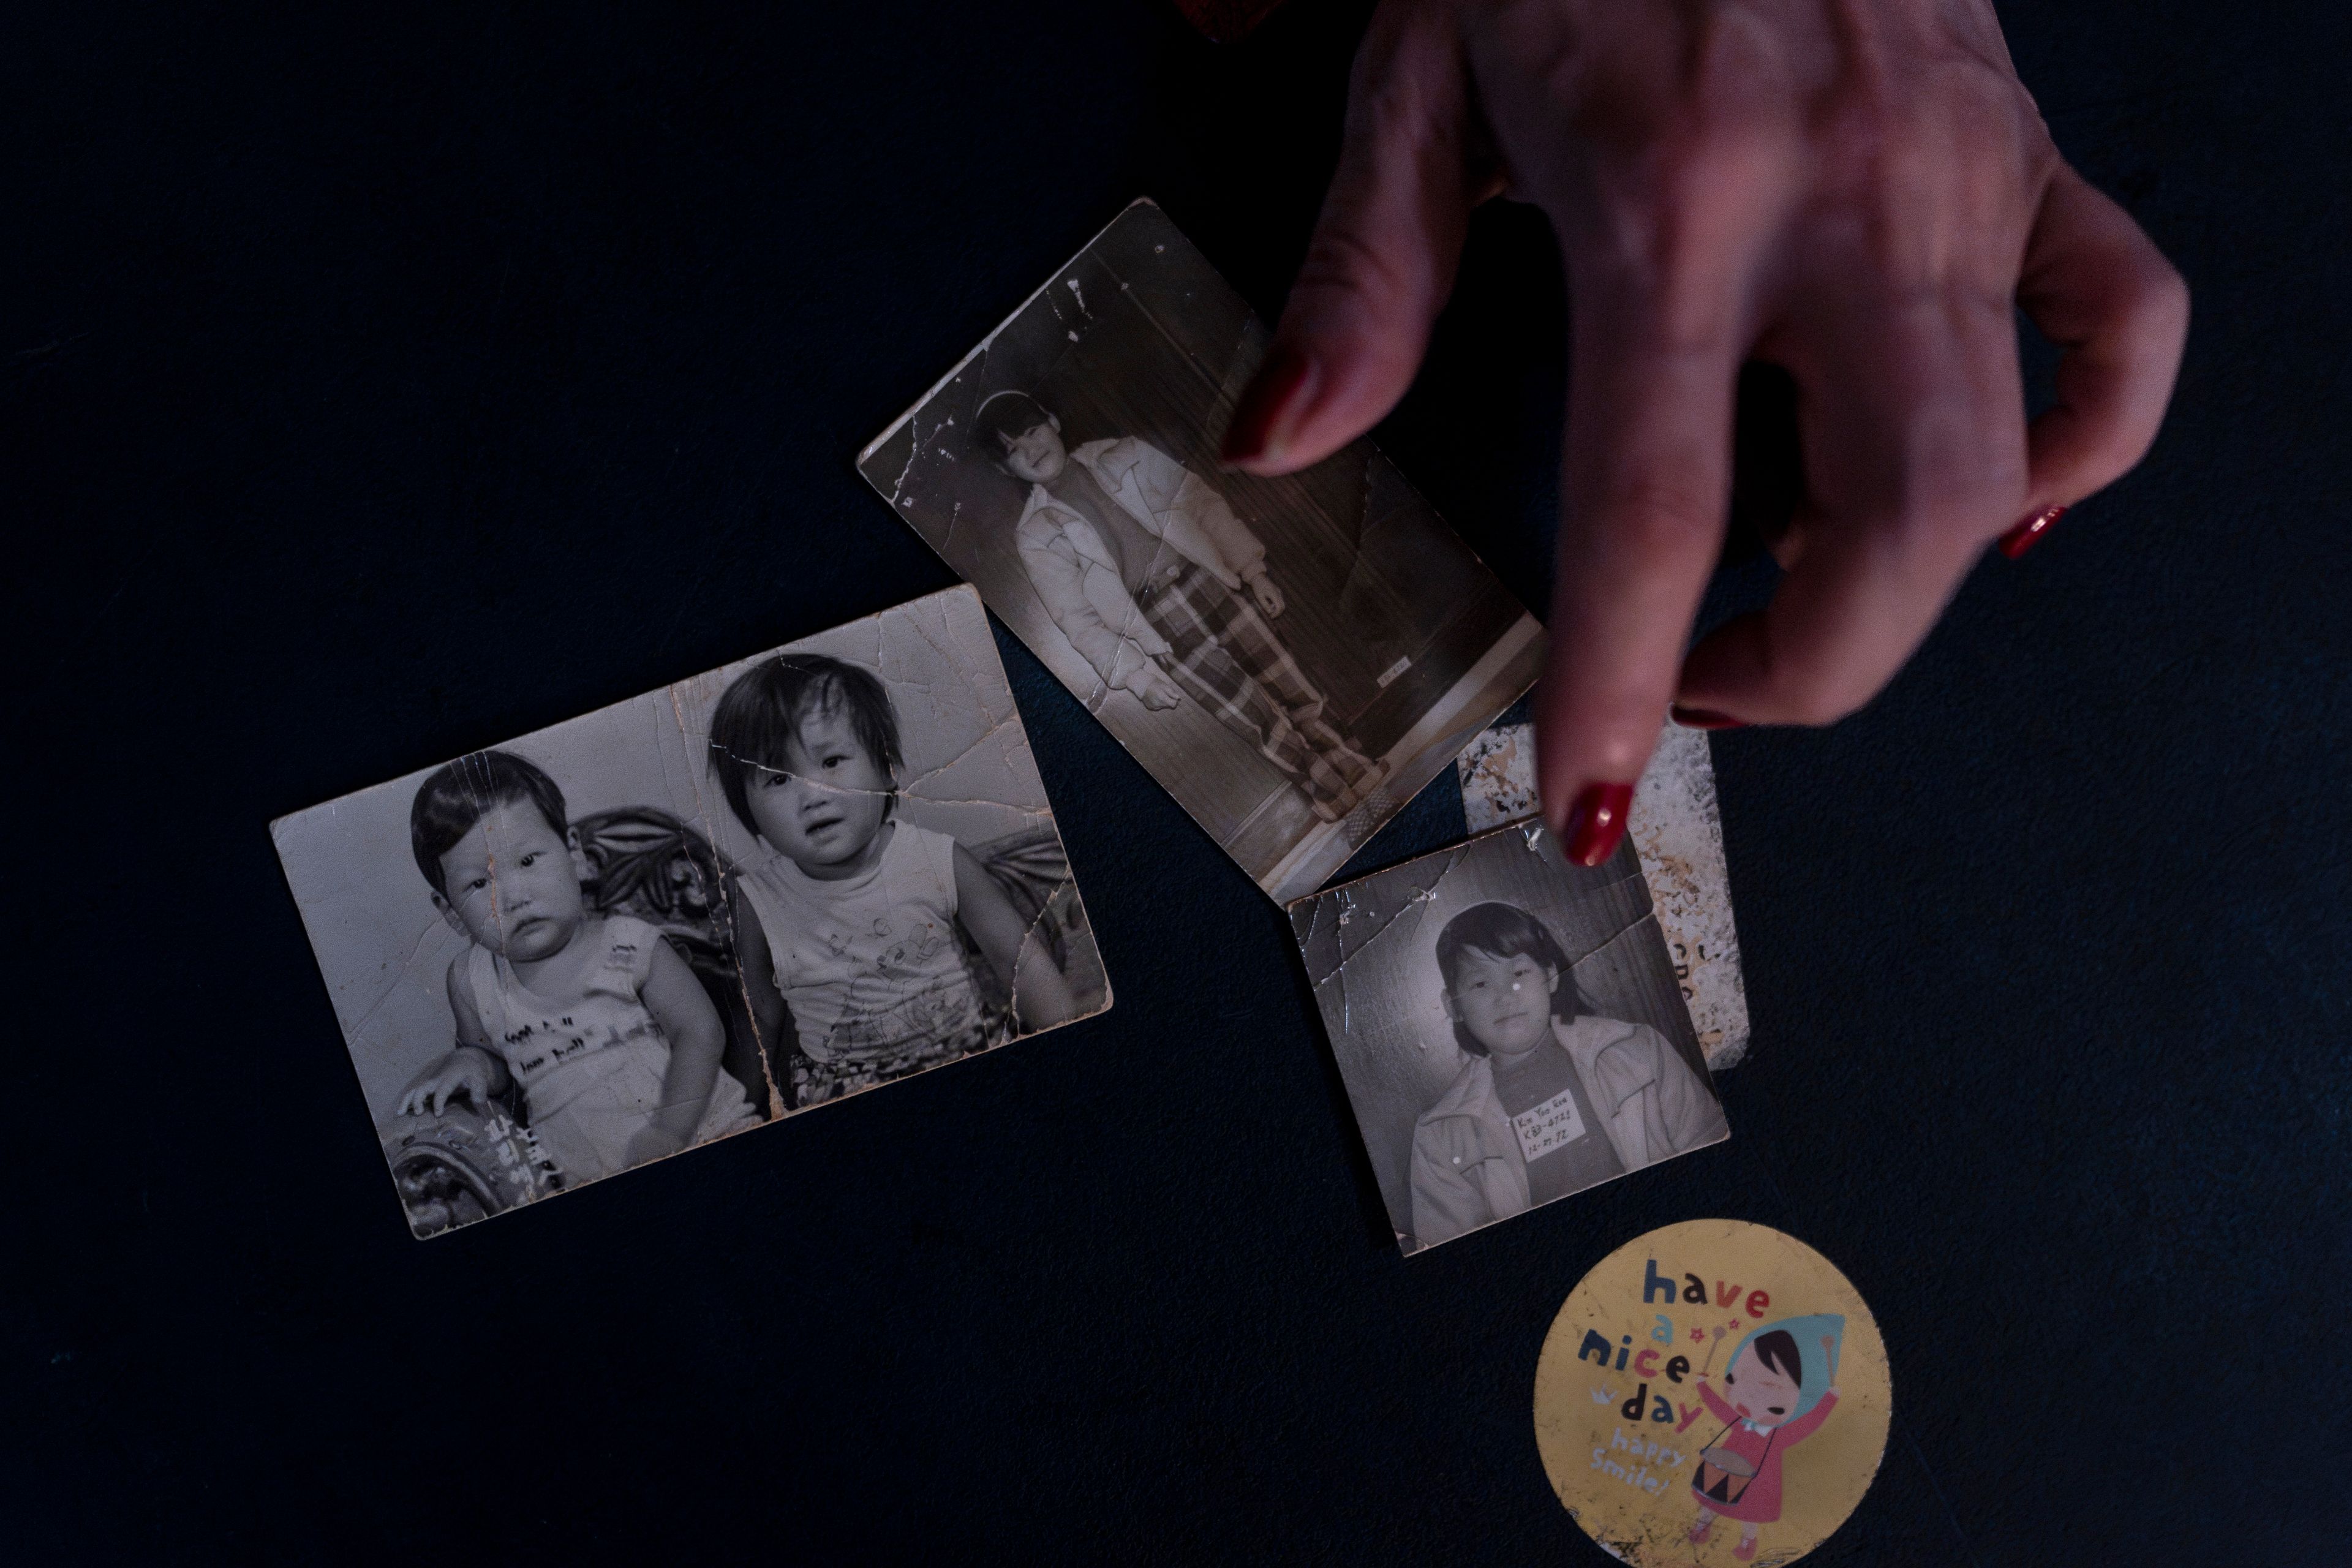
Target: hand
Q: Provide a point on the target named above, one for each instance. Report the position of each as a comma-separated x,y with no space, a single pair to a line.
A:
1262,589
462,1071
1159,693
1858,191
652,1142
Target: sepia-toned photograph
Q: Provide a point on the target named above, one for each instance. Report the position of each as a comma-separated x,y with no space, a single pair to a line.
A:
752,892
1292,659
1508,1026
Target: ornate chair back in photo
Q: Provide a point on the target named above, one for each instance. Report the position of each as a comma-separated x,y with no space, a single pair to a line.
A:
656,868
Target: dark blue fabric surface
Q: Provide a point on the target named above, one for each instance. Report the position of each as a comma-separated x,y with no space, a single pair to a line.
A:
377,387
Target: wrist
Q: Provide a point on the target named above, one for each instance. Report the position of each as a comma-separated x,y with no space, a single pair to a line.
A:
486,1067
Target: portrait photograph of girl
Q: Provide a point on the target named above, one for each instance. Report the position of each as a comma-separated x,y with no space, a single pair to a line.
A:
1508,1026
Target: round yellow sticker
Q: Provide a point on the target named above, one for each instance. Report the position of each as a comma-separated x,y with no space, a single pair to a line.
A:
1714,1392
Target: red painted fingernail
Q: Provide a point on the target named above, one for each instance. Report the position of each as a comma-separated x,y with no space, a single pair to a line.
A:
1268,414
1596,822
1705,719
2019,540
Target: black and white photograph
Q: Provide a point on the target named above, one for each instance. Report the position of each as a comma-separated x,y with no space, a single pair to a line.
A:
806,874
1292,659
1508,1026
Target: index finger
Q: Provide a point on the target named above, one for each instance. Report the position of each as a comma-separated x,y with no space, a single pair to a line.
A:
1645,479
1664,251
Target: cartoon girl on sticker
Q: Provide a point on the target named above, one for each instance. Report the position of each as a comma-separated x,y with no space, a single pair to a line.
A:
1778,1389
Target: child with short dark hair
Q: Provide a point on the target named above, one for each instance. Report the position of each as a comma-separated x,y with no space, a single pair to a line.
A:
612,1039
1550,1099
851,918
1156,582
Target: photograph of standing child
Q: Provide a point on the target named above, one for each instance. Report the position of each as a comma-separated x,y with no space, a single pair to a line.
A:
1156,582
849,921
1291,659
1773,1398
607,1034
1550,1098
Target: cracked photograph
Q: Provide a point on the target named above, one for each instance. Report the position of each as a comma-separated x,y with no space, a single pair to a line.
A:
1508,1026
1291,659
804,875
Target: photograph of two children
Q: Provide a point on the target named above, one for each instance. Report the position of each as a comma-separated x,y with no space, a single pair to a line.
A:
756,891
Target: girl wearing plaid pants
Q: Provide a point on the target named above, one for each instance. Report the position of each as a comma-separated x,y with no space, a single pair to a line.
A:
1164,591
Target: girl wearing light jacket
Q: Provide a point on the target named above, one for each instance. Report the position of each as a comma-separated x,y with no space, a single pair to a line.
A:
1549,1100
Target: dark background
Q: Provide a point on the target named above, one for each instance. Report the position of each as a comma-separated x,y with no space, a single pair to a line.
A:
376,387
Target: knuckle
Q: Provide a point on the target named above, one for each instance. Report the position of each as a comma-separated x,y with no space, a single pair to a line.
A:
1955,140
1404,96
1343,263
1984,113
2156,300
1864,142
1391,108
1664,276
1817,696
1675,226
2113,447
1961,494
1659,514
1943,520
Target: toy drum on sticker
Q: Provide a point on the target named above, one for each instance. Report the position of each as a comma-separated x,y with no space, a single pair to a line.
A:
1722,1474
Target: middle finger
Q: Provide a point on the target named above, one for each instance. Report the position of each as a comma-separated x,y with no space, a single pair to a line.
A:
1911,415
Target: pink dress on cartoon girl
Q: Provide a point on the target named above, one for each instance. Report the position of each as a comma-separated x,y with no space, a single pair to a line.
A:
1760,1502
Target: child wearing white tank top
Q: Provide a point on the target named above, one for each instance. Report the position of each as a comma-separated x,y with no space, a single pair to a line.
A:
612,1039
870,964
851,918
590,1058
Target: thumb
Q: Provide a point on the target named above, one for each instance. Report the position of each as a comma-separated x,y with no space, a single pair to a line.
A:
1383,257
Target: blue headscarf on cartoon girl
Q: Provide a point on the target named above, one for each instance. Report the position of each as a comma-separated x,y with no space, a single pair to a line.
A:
1821,1363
